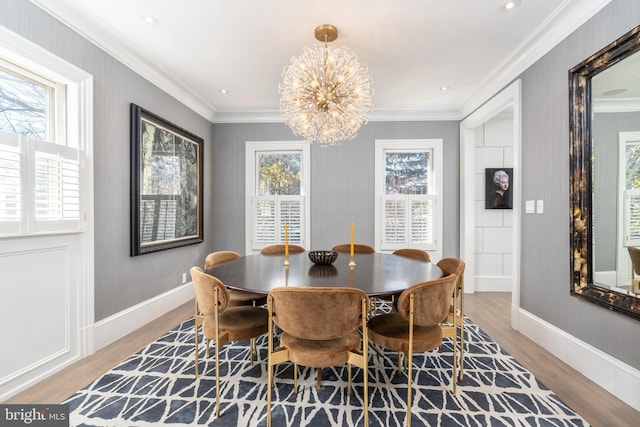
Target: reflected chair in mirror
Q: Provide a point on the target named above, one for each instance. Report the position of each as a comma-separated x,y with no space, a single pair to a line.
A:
320,328
280,250
416,326
223,324
357,248
453,325
634,253
236,297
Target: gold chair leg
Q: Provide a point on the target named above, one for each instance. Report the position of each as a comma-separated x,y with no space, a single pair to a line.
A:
461,372
217,382
196,342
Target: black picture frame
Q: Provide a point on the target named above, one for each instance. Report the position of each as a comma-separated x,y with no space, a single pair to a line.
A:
166,184
496,197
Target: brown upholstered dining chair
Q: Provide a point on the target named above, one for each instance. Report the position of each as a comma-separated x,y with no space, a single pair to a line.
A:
418,254
221,323
415,327
357,248
634,253
455,317
319,328
279,250
236,297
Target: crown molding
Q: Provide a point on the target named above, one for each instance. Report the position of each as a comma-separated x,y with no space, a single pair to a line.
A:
566,19
123,54
274,116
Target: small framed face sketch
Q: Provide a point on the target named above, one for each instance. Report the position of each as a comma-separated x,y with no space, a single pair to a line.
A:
498,183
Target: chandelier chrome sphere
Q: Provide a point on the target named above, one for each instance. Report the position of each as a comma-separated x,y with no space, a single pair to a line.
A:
325,93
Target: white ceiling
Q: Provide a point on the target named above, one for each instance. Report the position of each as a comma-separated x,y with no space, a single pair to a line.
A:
411,47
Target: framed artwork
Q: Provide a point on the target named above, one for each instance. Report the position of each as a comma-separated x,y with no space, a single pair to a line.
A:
498,183
166,184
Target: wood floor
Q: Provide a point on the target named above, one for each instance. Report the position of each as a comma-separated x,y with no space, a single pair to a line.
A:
491,311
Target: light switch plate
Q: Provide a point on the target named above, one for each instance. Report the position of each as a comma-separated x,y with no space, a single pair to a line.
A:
530,206
540,206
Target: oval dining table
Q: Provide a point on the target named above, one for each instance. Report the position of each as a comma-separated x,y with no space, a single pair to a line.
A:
377,274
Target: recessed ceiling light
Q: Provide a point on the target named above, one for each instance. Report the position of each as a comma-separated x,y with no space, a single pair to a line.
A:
614,92
444,88
149,19
510,4
223,91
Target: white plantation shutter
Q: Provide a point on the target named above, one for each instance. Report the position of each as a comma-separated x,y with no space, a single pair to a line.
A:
39,186
422,221
632,217
270,213
409,220
395,220
11,203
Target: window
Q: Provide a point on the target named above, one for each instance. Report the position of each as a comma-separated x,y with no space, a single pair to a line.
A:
408,190
40,168
630,174
277,183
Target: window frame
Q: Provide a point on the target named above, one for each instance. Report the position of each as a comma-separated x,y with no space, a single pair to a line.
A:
252,148
435,191
68,128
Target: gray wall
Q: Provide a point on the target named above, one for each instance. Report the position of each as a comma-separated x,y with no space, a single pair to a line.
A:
342,181
545,274
120,281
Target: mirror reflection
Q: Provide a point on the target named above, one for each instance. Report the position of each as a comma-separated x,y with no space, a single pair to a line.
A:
615,135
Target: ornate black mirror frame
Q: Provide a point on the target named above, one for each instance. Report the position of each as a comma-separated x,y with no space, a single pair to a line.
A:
580,185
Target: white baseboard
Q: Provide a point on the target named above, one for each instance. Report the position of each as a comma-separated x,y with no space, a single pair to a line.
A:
493,283
618,378
120,324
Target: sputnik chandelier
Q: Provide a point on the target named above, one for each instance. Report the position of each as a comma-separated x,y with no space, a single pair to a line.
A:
325,93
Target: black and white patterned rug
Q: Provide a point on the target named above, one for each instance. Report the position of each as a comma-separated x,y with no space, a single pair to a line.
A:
157,386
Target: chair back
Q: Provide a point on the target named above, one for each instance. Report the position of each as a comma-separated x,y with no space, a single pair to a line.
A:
453,266
219,257
317,313
418,254
431,301
279,250
205,287
634,253
357,248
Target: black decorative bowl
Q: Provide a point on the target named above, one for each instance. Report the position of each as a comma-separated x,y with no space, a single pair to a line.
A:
323,257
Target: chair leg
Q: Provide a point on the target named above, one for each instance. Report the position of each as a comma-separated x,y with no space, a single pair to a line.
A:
295,378
461,372
269,387
349,375
252,349
319,380
196,345
217,382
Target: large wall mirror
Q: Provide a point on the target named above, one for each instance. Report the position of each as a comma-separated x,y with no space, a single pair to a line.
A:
604,103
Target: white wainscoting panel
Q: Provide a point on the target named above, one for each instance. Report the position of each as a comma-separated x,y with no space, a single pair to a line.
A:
39,309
